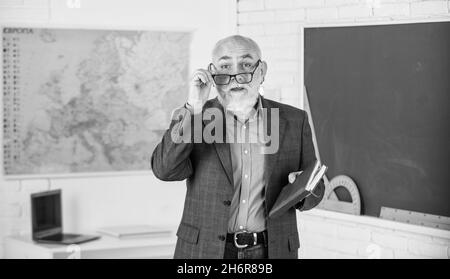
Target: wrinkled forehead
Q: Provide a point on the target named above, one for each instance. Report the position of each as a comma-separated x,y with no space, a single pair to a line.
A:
235,50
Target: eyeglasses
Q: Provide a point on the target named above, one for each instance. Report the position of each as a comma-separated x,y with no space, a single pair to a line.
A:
242,78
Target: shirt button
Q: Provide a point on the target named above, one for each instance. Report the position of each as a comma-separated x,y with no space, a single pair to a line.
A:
246,176
245,126
241,227
245,151
243,201
221,237
227,203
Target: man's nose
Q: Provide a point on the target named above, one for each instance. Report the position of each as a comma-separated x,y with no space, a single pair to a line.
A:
233,81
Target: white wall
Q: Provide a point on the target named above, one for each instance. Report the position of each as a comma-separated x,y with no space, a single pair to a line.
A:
332,235
91,202
275,25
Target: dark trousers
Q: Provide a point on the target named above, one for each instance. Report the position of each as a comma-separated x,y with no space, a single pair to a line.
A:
259,251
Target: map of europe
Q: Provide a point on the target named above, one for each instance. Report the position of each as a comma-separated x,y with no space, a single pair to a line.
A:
78,101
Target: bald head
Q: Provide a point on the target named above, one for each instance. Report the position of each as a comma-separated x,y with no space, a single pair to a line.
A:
236,44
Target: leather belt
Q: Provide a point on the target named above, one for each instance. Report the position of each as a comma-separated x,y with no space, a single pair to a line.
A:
243,239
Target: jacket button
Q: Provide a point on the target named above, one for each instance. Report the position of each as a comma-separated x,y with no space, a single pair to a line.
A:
227,203
221,237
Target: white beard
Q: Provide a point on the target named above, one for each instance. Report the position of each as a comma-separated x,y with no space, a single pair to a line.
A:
239,107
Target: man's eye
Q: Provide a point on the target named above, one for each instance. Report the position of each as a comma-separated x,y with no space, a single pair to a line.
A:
225,66
247,65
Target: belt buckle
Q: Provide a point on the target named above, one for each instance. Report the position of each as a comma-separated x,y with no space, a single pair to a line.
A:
235,239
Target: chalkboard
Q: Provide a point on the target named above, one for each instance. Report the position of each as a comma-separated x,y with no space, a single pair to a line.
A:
379,99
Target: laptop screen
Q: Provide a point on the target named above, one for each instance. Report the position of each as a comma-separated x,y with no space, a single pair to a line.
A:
46,213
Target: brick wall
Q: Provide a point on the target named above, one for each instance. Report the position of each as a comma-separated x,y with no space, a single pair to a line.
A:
15,215
325,234
275,26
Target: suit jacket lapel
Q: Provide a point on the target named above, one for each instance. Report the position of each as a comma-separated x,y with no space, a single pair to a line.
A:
270,159
222,149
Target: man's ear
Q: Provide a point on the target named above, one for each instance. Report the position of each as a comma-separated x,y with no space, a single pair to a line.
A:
263,70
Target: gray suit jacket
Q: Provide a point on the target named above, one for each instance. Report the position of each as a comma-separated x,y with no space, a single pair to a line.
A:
209,180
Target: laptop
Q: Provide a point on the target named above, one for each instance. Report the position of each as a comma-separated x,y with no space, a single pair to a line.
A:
46,219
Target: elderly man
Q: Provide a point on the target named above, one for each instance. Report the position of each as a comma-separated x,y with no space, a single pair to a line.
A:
233,183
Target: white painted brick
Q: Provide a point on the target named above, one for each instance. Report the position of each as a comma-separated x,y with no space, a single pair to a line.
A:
2,253
26,208
374,19
250,5
354,11
429,7
347,232
321,14
415,236
399,9
351,247
326,228
281,28
428,250
13,197
405,255
14,226
243,18
372,250
340,2
389,241
6,3
8,186
285,66
288,40
279,4
391,1
271,93
264,42
10,210
290,15
441,241
291,102
378,3
255,17
26,14
314,252
309,3
34,185
387,253
251,30
339,255
281,79
287,53
35,3
289,92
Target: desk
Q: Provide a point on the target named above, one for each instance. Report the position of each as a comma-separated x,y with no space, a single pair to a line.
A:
23,247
